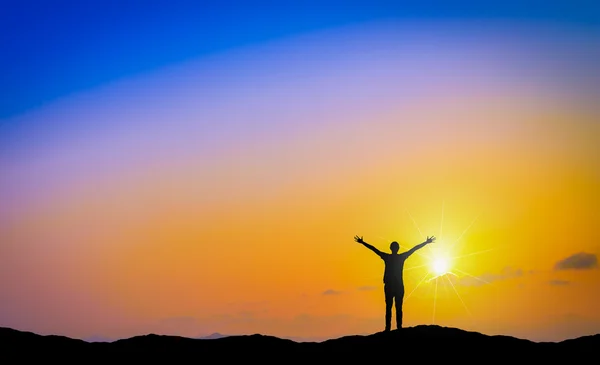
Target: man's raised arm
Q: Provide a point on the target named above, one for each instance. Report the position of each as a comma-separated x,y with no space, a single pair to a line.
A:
370,247
420,245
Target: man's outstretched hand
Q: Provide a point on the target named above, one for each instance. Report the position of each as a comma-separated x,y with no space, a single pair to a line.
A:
430,239
359,239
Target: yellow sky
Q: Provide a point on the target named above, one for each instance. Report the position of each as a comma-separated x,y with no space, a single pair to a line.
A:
270,229
251,230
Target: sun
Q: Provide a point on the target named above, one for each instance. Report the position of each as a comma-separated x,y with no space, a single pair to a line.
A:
440,266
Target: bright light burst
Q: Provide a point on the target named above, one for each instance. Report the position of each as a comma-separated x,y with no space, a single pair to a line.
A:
441,262
440,266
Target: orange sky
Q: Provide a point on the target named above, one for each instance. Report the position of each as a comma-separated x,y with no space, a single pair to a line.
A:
250,230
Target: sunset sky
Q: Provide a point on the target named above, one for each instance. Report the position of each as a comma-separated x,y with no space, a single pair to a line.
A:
189,168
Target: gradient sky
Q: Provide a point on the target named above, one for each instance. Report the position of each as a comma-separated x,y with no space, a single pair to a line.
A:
189,168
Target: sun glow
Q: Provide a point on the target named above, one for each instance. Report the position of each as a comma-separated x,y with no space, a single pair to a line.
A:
440,266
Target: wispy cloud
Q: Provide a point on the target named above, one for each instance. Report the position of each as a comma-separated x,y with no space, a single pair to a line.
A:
332,292
578,261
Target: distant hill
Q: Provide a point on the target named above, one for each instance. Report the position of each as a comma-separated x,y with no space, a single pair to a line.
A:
98,339
214,336
423,343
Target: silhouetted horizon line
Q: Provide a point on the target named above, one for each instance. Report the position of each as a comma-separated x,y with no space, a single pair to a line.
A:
297,339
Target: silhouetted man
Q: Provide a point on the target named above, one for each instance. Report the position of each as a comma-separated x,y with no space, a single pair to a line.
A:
393,284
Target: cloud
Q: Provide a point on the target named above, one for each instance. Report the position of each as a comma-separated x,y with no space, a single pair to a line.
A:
332,292
558,282
487,278
367,288
578,261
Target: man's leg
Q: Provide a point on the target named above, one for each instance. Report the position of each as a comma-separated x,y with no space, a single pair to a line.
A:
399,302
389,301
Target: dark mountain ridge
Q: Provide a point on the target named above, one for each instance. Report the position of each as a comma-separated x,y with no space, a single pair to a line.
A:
420,343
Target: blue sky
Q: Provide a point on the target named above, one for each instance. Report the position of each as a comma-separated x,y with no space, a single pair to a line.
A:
51,49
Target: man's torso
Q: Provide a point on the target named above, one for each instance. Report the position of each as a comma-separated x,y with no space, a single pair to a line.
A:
394,265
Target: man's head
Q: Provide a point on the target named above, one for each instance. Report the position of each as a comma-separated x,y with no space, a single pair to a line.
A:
394,247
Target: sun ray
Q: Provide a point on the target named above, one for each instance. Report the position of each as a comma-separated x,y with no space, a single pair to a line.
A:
416,287
439,276
423,255
420,232
465,231
459,297
434,301
442,221
433,278
415,223
440,264
472,254
414,267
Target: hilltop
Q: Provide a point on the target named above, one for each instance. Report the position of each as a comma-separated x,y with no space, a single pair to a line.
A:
419,343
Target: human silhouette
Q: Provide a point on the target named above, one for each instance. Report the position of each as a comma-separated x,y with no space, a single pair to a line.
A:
393,283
